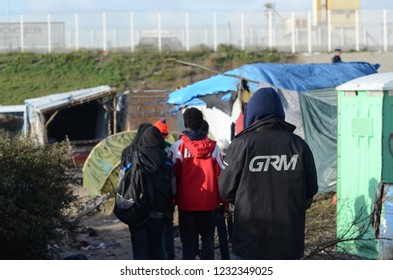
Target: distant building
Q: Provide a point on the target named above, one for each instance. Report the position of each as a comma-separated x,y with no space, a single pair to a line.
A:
152,38
31,35
343,13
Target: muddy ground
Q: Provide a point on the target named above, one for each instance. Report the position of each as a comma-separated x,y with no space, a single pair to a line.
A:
100,235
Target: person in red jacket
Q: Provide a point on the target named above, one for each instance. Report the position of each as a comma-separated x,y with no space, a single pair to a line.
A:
197,165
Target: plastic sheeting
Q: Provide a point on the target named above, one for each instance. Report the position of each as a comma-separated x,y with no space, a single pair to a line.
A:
296,77
101,168
319,111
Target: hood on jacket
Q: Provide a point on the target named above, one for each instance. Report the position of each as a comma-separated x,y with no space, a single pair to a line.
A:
152,138
126,155
141,129
264,104
199,148
151,148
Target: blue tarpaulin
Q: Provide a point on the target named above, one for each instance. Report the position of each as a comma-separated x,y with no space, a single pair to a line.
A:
296,77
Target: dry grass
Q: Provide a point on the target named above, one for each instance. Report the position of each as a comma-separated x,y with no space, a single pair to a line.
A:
321,228
320,238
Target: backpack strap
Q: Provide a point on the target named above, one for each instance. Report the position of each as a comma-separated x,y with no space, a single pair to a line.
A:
127,167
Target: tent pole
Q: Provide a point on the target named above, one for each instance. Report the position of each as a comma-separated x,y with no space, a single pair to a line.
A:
51,119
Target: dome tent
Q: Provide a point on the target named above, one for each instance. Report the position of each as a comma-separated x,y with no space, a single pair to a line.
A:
101,168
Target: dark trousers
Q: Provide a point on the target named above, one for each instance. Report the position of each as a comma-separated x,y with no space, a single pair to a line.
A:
191,225
169,239
147,240
222,233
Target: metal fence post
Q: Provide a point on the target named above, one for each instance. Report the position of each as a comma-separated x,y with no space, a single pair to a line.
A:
22,35
385,31
104,43
242,31
329,30
215,31
159,32
187,32
357,29
326,34
293,31
270,16
251,36
132,32
309,32
342,36
49,35
76,16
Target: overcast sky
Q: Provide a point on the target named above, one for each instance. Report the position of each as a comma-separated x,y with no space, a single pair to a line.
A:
26,7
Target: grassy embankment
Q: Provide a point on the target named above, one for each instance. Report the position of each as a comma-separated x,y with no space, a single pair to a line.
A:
26,75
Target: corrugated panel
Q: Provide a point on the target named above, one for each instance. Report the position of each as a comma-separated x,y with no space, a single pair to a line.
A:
12,109
54,101
359,168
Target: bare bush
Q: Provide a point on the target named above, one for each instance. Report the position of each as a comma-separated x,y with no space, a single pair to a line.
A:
35,199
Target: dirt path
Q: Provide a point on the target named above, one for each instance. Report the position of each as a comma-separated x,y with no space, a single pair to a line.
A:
102,236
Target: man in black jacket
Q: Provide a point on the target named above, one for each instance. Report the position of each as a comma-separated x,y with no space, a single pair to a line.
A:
337,56
270,177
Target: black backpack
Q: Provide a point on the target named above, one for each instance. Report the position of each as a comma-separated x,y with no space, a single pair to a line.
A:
139,192
133,197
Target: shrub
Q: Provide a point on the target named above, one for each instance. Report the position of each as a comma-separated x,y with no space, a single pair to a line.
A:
35,199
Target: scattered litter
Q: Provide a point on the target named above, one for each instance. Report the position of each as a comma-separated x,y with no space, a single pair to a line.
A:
84,245
91,205
111,221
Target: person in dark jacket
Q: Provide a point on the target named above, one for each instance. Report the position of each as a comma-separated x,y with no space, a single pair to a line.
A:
126,154
337,56
147,239
270,177
169,230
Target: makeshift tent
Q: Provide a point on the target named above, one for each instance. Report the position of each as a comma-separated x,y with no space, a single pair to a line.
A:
80,115
306,90
101,167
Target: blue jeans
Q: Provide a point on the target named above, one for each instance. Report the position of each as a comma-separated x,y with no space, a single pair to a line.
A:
147,240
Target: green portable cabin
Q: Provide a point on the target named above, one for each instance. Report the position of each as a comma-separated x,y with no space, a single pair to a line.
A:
364,158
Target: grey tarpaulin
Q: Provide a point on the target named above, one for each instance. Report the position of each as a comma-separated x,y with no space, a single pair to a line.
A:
319,112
